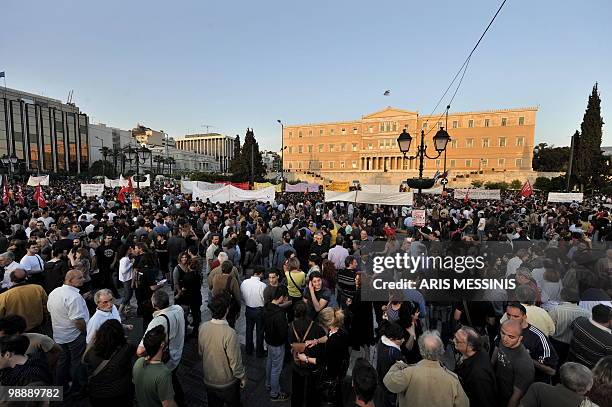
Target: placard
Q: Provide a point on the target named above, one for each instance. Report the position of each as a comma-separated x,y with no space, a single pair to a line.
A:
477,194
92,189
418,217
565,196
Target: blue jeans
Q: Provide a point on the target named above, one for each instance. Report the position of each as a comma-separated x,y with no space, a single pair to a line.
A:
274,367
254,318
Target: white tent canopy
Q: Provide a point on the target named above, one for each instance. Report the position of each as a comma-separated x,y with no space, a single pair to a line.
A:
230,193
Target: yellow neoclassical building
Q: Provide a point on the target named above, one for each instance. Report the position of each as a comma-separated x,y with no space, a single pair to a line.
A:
489,141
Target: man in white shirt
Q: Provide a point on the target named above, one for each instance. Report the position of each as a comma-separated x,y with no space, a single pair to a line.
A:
105,310
7,261
252,291
69,317
338,253
515,262
33,264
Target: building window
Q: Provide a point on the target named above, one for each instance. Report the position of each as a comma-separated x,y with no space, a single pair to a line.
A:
290,165
310,133
354,146
310,149
370,146
455,124
300,133
521,120
501,162
290,133
290,149
343,147
343,130
299,164
469,143
425,125
439,124
394,126
452,163
331,148
519,163
320,148
354,164
320,132
299,149
341,164
484,162
387,126
485,143
331,131
331,164
454,143
468,163
502,142
471,123
520,141
487,122
504,121
355,130
370,129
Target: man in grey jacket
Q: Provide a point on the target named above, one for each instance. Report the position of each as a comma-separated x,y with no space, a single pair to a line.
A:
224,373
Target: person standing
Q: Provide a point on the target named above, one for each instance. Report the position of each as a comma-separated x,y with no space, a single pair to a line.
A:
592,338
514,369
27,300
338,253
252,291
105,310
69,317
275,328
33,264
106,255
474,368
388,353
152,378
219,347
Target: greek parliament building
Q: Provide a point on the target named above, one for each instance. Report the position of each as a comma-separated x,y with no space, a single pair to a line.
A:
213,144
45,134
493,141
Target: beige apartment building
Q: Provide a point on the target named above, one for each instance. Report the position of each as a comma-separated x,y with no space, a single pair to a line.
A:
493,141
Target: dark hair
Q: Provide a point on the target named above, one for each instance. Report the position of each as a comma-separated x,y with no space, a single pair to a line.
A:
226,267
109,337
258,270
601,313
280,291
365,380
274,271
30,244
518,306
218,305
300,309
315,274
393,331
16,344
122,251
348,260
13,324
161,299
153,340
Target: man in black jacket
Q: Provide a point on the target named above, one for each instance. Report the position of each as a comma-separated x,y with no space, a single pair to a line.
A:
474,369
275,331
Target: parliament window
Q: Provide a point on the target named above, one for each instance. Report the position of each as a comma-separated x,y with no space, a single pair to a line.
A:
484,162
341,164
487,122
300,149
485,142
370,129
300,133
501,162
331,148
331,131
519,163
521,121
455,124
343,147
502,142
504,121
310,149
471,123
469,143
520,141
310,133
320,148
370,146
331,164
343,130
290,149
468,163
452,163
454,143
354,146
321,132
355,130
354,164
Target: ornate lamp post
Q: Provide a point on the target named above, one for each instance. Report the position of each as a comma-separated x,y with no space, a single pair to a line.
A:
9,162
138,155
440,140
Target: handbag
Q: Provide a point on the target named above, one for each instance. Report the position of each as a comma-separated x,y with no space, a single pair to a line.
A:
299,347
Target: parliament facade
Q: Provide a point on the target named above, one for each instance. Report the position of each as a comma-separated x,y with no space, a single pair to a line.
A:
484,141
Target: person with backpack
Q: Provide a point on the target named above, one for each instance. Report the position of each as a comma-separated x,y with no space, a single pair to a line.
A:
275,330
306,372
227,283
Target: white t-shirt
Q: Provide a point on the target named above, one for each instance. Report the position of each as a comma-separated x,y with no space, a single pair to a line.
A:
32,264
125,269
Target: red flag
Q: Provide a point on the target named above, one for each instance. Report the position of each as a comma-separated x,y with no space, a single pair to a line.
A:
20,199
527,189
121,194
5,196
130,187
467,196
39,197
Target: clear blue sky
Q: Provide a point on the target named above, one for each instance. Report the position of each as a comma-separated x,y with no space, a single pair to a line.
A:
233,65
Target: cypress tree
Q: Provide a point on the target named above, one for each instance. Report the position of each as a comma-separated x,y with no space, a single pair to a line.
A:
587,153
235,165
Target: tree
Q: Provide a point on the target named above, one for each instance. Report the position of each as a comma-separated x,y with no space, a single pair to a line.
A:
555,184
158,159
550,158
101,167
235,164
587,149
477,183
515,184
241,167
496,185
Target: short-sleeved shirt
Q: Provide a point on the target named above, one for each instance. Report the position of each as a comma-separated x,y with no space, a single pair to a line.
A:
324,293
153,383
39,343
66,305
513,368
295,282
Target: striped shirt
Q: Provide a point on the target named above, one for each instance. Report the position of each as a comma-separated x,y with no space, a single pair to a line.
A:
563,315
540,350
590,343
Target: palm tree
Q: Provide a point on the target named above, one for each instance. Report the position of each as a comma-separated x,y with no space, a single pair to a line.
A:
170,161
158,159
116,154
105,151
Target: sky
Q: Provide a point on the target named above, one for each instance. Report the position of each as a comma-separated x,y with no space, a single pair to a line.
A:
178,66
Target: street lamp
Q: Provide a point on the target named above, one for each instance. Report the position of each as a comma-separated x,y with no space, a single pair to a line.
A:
282,151
9,162
440,141
138,155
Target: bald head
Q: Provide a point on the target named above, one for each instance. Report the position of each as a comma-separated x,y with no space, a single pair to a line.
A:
74,278
511,334
18,275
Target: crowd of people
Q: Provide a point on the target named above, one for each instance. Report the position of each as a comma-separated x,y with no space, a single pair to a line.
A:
77,270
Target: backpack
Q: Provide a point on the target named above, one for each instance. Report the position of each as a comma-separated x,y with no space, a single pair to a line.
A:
299,347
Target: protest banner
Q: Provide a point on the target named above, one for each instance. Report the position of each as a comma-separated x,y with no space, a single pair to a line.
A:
418,217
92,189
477,194
560,197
